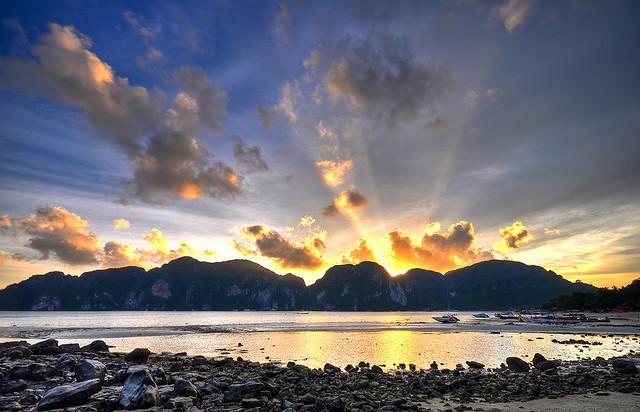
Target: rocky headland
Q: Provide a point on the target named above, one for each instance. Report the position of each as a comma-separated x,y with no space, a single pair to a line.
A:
49,376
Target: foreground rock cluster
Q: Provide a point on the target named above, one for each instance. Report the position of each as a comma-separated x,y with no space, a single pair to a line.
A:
48,376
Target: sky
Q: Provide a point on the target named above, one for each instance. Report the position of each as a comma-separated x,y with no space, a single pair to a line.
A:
301,135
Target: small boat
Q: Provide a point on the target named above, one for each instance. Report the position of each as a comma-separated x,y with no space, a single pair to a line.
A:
446,319
480,316
507,315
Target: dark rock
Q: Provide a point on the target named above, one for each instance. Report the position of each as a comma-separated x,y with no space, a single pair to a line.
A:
18,352
537,358
96,346
517,365
184,388
20,372
69,395
13,344
30,397
138,355
236,391
40,372
329,368
307,399
139,391
13,386
545,365
251,403
88,369
624,366
69,347
66,362
46,347
433,366
376,369
475,365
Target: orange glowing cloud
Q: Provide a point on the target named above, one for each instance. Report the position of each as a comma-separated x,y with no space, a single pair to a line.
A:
334,173
121,224
437,250
360,253
511,237
55,230
348,202
260,240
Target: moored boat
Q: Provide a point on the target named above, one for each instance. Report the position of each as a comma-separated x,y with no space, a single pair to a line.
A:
480,316
446,319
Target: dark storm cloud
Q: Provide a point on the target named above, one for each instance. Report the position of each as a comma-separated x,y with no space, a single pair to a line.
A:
286,253
381,75
249,158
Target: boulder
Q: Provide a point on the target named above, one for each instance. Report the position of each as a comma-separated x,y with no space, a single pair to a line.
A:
624,366
139,391
138,355
18,352
88,369
517,365
96,346
69,347
433,366
13,386
183,387
235,392
40,372
376,369
537,358
46,347
12,344
329,368
545,365
475,365
69,395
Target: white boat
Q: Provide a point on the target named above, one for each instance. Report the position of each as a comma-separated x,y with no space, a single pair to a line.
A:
446,319
480,316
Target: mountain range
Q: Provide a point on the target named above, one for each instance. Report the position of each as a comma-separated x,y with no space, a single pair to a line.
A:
188,284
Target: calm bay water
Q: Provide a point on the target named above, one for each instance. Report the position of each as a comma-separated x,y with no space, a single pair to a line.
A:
317,337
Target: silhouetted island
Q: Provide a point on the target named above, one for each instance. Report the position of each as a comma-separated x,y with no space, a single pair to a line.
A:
188,284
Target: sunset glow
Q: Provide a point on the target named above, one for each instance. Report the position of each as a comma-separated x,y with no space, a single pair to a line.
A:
434,136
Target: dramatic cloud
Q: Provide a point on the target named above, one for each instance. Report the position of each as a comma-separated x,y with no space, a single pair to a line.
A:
359,254
288,254
64,68
55,230
348,202
333,173
380,75
307,220
511,237
249,158
438,250
116,254
514,13
172,161
551,232
121,224
286,104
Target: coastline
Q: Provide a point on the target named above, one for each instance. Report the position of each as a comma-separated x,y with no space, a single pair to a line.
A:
180,382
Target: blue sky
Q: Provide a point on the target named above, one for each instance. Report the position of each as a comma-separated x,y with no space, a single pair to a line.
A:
306,134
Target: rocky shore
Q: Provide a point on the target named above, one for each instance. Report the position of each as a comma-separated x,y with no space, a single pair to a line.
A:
49,376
